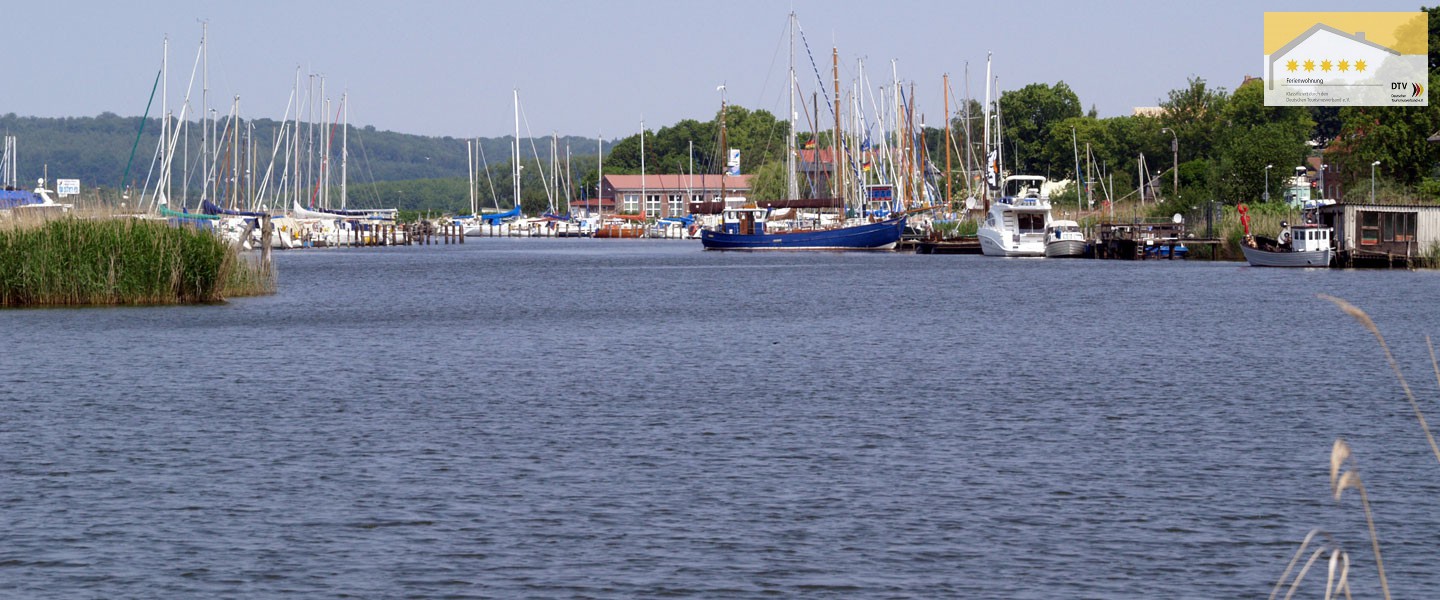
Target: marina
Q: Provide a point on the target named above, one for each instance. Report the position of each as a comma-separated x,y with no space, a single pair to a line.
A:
503,300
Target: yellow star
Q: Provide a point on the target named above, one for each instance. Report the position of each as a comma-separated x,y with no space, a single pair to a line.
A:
1309,66
1290,66
1344,65
1325,66
1359,65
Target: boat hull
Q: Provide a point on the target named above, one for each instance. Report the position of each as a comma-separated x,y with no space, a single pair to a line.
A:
1065,249
870,236
990,245
1264,258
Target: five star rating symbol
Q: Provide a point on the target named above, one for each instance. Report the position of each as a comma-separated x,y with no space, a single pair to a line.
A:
1325,65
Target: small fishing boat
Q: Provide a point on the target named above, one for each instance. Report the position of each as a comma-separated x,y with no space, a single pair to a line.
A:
1063,239
1304,245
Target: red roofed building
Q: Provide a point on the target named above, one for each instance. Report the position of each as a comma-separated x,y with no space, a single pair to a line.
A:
658,196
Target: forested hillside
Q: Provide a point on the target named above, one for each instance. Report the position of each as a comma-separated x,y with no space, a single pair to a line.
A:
97,150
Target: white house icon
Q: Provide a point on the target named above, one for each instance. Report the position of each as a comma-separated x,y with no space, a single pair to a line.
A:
1326,52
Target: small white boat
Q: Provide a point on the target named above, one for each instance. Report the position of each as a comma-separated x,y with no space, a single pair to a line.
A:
1309,246
1063,239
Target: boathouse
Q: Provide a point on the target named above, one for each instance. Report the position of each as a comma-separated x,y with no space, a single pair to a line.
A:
657,196
1382,234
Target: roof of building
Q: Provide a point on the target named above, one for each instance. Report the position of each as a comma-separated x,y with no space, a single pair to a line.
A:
1358,37
678,182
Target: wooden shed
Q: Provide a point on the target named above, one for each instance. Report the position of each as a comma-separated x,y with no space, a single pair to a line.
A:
1381,234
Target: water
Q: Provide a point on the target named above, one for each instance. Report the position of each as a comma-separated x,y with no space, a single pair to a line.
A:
617,419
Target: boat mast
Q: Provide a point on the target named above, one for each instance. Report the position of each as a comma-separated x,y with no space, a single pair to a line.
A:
344,145
470,171
554,169
165,142
295,144
990,175
235,153
792,187
948,141
901,141
1075,145
642,165
724,147
599,173
204,109
839,179
515,166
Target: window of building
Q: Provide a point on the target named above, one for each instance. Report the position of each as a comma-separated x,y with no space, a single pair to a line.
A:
652,205
631,205
677,204
1398,227
1369,228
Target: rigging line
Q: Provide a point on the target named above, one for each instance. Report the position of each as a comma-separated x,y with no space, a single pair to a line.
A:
325,160
815,68
369,171
774,57
143,119
158,158
535,153
493,195
955,145
275,149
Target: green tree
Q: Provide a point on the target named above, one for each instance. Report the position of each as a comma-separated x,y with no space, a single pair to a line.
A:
1255,135
1194,114
1394,135
1027,116
768,182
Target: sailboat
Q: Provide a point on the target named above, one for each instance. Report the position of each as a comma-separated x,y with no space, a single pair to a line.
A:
746,226
487,223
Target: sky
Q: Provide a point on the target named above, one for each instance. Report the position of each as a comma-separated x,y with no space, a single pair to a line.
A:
601,68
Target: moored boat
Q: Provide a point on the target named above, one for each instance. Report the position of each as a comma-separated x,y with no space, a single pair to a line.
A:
620,226
1018,219
744,228
1063,239
1308,245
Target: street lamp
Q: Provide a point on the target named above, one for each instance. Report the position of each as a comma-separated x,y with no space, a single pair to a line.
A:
1174,156
1372,180
1266,195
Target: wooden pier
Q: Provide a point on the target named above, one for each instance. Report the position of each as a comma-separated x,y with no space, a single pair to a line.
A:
961,245
1142,240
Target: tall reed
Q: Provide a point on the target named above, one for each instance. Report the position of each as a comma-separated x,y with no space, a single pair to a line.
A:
106,261
1344,475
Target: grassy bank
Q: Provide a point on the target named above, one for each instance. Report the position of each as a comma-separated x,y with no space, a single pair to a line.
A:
109,261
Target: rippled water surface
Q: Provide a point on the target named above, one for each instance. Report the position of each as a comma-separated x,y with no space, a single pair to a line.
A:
618,419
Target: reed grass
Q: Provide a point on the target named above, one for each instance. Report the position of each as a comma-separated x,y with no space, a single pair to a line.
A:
1369,324
954,229
1345,476
73,261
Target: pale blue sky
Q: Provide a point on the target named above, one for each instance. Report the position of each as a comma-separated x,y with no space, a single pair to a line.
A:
447,67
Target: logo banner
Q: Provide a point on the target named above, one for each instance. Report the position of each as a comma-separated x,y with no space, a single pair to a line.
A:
1346,59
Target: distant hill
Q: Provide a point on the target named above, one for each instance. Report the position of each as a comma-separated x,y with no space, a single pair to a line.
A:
95,150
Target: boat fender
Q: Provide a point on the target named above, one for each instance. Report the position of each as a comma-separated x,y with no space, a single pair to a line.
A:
693,229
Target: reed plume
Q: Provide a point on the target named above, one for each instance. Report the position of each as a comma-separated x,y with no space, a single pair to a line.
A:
1350,479
1368,323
